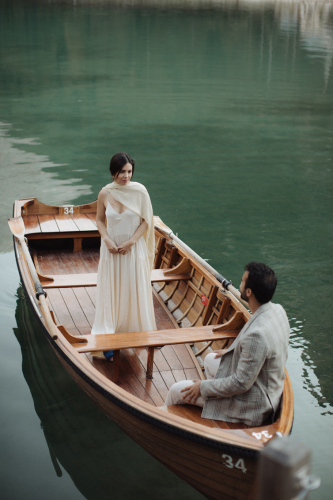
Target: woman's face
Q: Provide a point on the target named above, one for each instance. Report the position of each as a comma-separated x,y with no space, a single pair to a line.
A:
124,176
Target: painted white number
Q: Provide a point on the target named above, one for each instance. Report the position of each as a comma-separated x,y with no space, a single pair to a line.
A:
68,210
239,464
229,461
259,435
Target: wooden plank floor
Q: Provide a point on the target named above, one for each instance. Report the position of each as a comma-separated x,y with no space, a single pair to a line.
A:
75,309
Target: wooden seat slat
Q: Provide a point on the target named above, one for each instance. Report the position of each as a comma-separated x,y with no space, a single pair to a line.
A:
31,224
48,224
83,222
65,223
90,279
151,339
92,217
158,275
55,223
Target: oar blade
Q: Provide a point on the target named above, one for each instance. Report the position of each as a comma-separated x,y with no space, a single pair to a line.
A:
16,225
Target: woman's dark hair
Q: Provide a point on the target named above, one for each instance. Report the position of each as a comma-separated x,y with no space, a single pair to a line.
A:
261,280
118,161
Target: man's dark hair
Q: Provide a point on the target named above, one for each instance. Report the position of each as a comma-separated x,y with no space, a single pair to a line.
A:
261,280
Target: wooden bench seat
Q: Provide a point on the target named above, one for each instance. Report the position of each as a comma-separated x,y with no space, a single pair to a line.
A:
116,341
90,279
46,224
54,226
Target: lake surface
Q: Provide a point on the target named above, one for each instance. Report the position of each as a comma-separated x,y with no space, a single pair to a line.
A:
227,110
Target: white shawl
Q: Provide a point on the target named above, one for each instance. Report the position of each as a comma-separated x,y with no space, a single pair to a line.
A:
135,197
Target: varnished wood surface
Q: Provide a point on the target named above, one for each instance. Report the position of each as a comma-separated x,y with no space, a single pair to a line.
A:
56,223
90,279
74,308
183,303
32,206
47,222
202,467
169,365
152,339
79,318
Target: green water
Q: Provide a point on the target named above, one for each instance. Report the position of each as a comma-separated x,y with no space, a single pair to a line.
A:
228,113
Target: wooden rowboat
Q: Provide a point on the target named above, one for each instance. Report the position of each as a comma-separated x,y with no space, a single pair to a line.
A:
195,314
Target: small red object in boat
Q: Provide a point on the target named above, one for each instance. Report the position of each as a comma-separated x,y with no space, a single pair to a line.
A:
204,300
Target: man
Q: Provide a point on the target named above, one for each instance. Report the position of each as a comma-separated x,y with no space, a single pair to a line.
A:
246,384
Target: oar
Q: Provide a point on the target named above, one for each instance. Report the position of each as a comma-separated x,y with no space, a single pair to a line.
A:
225,283
17,228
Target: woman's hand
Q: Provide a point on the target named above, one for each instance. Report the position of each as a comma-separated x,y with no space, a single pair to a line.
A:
110,245
219,354
125,247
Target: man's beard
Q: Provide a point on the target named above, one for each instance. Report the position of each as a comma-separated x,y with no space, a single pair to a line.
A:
243,296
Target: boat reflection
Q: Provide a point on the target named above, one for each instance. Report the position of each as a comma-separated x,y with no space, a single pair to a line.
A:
314,21
102,461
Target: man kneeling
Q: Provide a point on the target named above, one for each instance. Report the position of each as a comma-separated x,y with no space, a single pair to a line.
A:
245,382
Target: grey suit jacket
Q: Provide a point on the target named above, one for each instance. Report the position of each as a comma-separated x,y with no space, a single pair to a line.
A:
250,378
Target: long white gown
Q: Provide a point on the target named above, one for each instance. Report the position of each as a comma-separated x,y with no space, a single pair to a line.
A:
124,295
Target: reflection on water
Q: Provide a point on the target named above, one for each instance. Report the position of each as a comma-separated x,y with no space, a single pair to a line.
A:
310,381
101,460
314,22
24,173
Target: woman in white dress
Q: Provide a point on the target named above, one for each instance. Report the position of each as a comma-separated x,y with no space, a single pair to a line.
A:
124,295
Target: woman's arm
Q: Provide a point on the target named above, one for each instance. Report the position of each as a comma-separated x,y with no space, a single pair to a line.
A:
126,246
100,221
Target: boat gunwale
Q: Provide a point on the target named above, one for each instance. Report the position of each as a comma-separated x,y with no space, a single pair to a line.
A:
222,439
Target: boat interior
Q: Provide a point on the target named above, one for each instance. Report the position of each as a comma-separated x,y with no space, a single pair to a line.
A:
64,243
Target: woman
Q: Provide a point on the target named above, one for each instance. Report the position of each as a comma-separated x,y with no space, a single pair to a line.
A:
124,295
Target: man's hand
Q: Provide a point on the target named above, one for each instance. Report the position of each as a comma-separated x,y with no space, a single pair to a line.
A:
219,354
192,392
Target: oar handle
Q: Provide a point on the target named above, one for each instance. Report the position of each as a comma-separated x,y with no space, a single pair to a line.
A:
40,294
32,269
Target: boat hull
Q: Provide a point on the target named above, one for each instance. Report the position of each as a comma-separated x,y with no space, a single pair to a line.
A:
205,465
221,464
